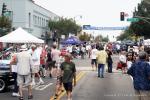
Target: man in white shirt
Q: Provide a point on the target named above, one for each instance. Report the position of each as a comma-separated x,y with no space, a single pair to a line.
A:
93,57
14,74
23,60
36,52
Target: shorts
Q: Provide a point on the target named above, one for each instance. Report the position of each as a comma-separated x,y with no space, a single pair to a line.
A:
123,64
55,64
35,69
24,79
49,65
93,61
68,86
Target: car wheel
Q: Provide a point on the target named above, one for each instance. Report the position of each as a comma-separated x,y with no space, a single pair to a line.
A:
2,85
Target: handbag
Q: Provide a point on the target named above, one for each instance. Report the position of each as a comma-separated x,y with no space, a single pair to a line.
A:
119,65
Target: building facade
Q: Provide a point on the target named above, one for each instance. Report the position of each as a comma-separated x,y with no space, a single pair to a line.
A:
29,16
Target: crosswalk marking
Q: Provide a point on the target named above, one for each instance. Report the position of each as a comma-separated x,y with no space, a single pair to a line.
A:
42,87
39,87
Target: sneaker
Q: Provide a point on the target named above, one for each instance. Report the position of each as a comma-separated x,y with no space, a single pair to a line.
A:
15,94
33,83
41,82
20,98
30,97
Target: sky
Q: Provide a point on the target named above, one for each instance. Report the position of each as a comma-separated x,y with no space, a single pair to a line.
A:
99,13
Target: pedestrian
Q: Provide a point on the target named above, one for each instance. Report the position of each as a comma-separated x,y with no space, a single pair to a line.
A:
101,60
123,60
59,83
35,65
13,66
55,54
49,63
68,71
93,57
129,60
43,61
23,60
140,71
109,61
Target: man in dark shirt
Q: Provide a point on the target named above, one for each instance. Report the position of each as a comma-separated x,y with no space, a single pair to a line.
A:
68,74
140,71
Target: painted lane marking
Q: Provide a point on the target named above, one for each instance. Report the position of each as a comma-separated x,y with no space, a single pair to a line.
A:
60,93
42,87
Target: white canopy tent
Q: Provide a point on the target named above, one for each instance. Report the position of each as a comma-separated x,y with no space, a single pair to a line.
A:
147,42
20,36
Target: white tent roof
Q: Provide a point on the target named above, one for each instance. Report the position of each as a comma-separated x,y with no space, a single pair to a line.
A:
20,36
147,42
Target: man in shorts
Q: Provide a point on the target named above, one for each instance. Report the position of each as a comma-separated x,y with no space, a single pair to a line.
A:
93,57
35,64
55,54
23,60
68,71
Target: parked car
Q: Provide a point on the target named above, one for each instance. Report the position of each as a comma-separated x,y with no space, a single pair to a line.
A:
6,78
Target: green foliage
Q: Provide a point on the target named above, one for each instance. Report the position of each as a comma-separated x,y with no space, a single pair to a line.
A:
64,26
142,27
100,38
105,39
5,25
127,34
84,37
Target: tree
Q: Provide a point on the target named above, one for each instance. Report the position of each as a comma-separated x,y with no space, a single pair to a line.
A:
100,38
105,39
64,26
142,27
5,25
85,37
127,34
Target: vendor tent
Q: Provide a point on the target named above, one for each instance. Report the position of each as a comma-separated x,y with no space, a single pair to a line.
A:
147,42
20,36
72,40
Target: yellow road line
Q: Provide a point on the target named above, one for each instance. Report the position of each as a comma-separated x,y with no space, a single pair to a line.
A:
78,77
52,98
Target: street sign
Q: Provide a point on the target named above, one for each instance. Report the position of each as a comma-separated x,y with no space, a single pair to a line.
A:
89,27
133,19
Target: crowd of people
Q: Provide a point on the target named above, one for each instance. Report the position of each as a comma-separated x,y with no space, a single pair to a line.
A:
39,61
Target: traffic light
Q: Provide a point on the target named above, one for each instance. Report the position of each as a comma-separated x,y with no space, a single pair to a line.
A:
4,9
122,16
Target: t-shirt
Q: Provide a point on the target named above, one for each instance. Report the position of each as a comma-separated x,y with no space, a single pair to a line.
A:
55,55
23,63
102,57
93,53
68,69
122,58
